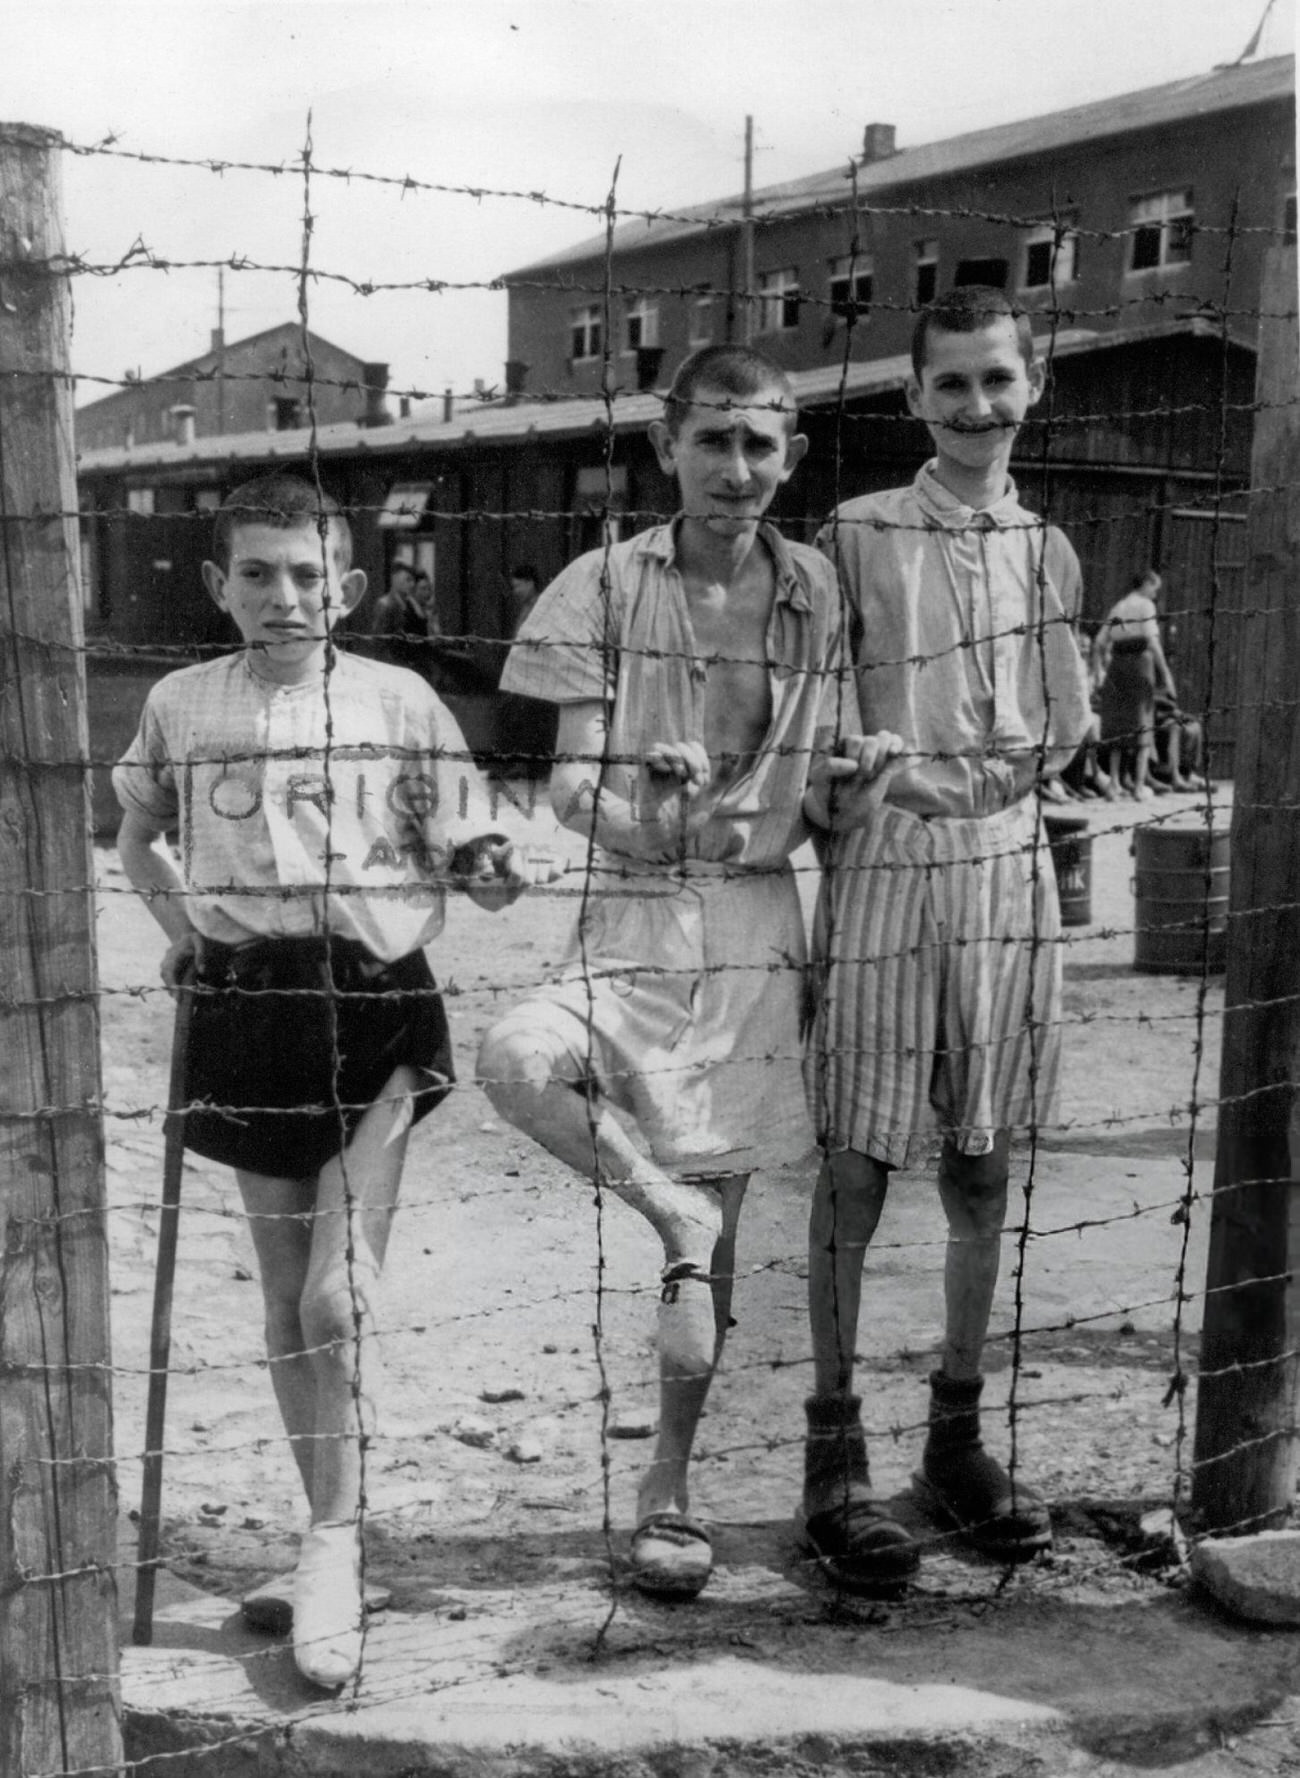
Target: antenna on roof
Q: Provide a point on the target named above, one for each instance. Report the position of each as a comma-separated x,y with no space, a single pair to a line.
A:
1252,48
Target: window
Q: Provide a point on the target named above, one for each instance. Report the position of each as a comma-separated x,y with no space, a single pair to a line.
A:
140,501
1163,226
851,283
925,269
599,495
586,333
283,414
642,325
403,506
1051,255
701,321
778,310
992,273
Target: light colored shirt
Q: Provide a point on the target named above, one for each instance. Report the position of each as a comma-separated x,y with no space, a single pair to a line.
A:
616,627
329,806
966,647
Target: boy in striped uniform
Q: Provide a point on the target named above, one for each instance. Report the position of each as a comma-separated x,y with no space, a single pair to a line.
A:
938,917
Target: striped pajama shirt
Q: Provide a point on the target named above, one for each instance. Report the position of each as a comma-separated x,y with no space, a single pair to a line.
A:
937,927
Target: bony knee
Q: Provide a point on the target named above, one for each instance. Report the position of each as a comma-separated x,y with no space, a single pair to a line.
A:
336,1309
513,1068
974,1189
283,1326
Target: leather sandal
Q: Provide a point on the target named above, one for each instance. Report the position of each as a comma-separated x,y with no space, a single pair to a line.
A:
672,1556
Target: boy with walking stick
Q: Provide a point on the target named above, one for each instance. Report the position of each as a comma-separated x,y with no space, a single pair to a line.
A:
323,805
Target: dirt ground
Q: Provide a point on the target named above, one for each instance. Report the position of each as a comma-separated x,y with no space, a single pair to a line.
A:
518,1310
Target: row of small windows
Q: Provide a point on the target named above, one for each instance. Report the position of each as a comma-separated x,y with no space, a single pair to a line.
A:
1162,227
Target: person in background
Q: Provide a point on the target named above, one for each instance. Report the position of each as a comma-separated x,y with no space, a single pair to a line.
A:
1129,665
404,622
525,590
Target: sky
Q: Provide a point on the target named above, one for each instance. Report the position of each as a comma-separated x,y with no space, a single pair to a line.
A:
527,96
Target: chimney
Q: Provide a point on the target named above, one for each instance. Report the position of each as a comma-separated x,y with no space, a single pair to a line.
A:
375,380
878,142
218,340
648,360
516,377
448,405
182,419
404,407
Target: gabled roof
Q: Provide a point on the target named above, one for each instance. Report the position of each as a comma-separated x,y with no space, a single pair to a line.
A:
1200,95
568,418
206,362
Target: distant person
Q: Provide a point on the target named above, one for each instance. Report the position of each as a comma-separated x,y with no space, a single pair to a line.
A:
937,921
426,602
1130,665
527,726
325,805
525,590
403,623
693,666
1179,760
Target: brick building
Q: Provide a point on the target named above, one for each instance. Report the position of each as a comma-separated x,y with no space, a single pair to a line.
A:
257,384
1106,216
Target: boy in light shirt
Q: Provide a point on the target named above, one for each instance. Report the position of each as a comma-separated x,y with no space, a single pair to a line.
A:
938,919
323,805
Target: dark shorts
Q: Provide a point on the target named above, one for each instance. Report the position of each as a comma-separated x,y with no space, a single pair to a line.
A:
1128,694
293,1040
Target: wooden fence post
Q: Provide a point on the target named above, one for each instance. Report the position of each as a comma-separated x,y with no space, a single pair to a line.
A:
59,1701
1245,1447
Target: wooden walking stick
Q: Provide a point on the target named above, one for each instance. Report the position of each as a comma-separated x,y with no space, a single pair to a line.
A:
161,1333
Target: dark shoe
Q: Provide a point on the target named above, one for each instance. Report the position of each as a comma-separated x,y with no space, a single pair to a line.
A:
856,1541
858,1544
965,1488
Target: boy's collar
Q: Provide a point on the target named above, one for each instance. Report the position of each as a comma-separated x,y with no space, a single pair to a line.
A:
954,513
661,541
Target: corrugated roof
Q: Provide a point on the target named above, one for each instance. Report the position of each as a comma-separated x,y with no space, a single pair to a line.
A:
1222,89
557,419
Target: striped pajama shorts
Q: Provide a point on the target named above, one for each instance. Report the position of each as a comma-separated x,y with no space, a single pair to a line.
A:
938,965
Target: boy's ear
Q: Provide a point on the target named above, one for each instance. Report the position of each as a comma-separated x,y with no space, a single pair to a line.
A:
1037,375
214,579
352,588
796,449
912,390
662,440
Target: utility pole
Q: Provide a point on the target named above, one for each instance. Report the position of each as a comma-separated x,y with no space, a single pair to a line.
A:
221,349
747,328
59,1704
1245,1450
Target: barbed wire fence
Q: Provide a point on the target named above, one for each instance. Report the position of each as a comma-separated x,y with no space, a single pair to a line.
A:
67,1231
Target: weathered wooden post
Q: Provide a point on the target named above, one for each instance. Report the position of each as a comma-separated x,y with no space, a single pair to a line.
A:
59,1707
1245,1448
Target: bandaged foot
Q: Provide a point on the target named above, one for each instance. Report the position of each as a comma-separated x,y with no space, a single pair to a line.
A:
327,1605
687,1328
